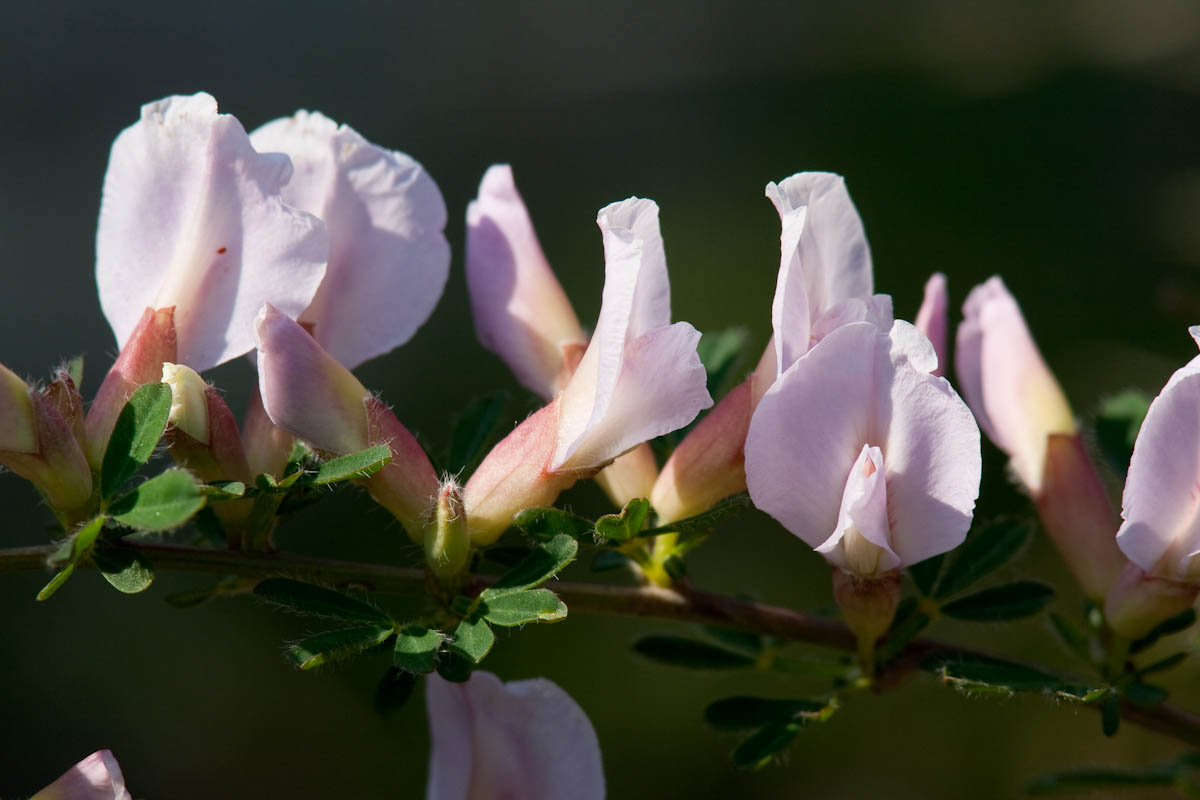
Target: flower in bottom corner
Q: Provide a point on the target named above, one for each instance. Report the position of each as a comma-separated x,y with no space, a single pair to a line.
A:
521,739
97,777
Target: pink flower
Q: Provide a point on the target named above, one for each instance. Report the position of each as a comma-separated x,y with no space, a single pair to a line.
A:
97,777
522,739
863,454
639,377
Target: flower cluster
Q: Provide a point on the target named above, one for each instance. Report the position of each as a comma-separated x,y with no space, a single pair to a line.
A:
318,250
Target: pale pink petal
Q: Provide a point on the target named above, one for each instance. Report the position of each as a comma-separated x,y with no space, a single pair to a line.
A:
388,255
1161,502
522,739
660,388
931,317
860,543
521,312
305,390
97,777
191,217
810,427
862,387
932,454
876,309
639,377
1008,386
824,256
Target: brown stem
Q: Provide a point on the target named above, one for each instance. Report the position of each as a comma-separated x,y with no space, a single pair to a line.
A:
681,604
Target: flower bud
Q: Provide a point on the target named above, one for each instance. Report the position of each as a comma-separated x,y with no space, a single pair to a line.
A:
267,445
709,464
97,777
931,318
629,476
515,475
203,435
407,486
1138,601
447,541
64,394
868,606
18,430
151,344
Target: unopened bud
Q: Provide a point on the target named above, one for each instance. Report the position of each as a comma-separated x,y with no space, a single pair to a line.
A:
447,540
629,476
1137,602
189,407
407,486
18,431
868,606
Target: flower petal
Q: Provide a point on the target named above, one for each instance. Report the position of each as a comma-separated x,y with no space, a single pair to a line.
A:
191,217
931,317
97,777
639,377
524,739
860,543
521,312
1162,492
388,255
305,390
1014,396
824,256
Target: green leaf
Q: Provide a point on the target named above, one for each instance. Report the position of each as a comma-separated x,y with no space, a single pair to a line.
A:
734,637
455,667
1170,662
608,560
1180,622
56,582
362,464
473,640
1117,424
417,649
74,370
624,526
1075,639
1010,601
518,608
164,502
546,523
701,523
126,569
676,651
80,543
394,690
719,352
475,428
337,645
910,620
1110,716
1144,695
137,431
224,490
317,601
546,560
741,713
983,675
763,745
1077,780
925,573
984,552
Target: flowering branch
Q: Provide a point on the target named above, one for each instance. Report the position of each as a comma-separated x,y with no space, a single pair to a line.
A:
680,604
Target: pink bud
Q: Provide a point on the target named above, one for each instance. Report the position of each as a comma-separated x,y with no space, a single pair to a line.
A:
407,486
97,777
1077,514
521,312
1137,601
150,345
931,318
268,446
709,464
1014,396
305,390
516,474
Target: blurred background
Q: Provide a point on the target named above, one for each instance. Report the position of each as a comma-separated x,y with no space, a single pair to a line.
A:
1053,143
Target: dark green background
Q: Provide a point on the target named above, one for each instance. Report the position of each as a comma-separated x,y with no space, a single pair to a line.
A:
1054,143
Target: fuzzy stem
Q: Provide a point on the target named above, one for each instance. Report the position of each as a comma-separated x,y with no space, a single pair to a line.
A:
682,604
